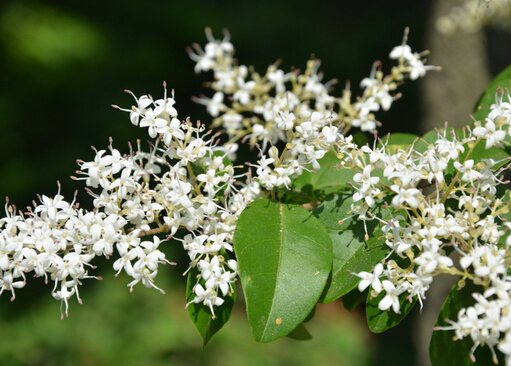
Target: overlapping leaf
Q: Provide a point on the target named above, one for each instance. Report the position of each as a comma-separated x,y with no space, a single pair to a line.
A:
201,315
315,186
352,252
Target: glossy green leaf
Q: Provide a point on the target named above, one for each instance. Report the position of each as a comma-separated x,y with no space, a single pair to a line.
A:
201,315
328,179
352,252
378,320
284,259
443,350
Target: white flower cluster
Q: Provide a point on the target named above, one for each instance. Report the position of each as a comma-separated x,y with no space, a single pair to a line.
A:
186,188
461,213
54,240
266,108
474,14
185,182
305,116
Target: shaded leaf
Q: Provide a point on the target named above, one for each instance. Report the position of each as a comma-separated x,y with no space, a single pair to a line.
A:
351,251
360,138
354,298
311,315
443,350
378,320
328,179
300,333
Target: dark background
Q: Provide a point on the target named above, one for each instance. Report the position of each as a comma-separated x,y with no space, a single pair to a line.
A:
65,62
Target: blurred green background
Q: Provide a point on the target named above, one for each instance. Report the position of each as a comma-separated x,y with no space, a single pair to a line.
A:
65,62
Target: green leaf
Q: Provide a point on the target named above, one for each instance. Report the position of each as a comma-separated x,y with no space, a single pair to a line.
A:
443,350
480,152
300,333
284,259
399,141
352,252
378,320
328,179
201,315
482,107
360,138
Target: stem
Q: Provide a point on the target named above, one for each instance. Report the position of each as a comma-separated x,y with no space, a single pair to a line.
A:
159,230
192,175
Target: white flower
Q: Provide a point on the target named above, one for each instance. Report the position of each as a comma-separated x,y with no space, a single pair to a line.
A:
431,260
365,122
391,298
7,283
492,136
243,93
405,195
51,206
278,78
208,267
402,51
285,120
172,130
418,69
220,280
64,294
369,278
153,122
208,297
469,174
365,178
